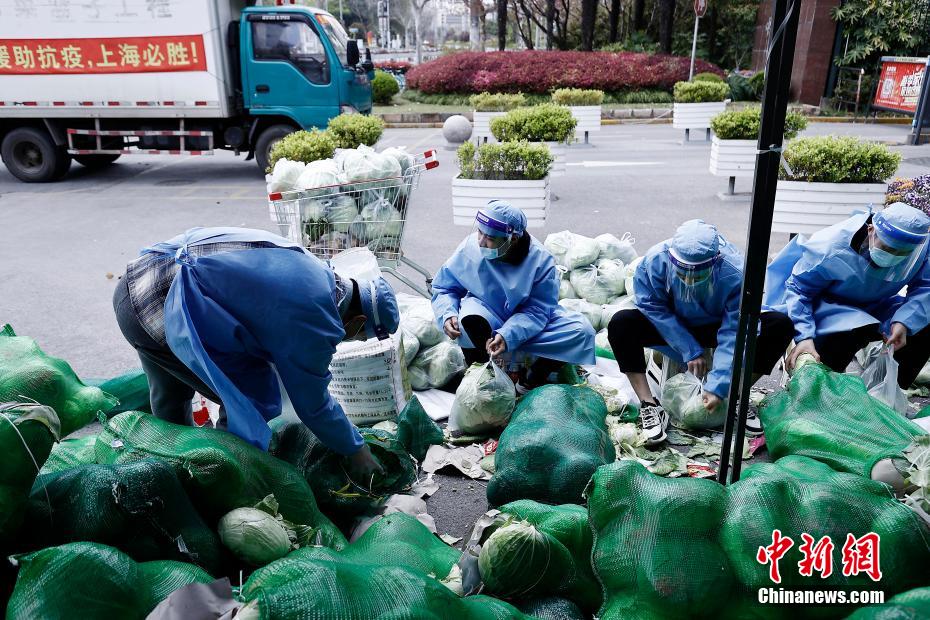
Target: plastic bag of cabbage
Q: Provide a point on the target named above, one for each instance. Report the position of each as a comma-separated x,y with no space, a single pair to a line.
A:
378,221
621,249
594,313
283,177
320,178
682,399
483,401
417,319
436,366
571,250
324,216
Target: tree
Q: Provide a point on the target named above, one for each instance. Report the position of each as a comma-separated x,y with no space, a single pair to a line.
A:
502,25
475,14
418,7
614,35
874,28
639,15
588,16
666,25
550,22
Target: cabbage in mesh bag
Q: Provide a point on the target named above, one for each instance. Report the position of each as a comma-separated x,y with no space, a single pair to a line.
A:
590,311
483,401
591,285
621,249
614,273
681,398
440,363
284,176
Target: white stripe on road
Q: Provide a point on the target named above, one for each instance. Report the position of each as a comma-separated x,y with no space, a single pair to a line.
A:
614,164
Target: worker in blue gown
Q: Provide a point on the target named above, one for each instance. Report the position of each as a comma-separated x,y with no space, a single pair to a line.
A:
229,311
687,296
499,292
843,288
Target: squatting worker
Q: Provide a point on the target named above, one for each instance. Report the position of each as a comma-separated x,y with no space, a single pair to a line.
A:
499,292
687,295
842,289
226,311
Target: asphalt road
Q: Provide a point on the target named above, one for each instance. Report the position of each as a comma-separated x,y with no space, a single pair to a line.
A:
65,244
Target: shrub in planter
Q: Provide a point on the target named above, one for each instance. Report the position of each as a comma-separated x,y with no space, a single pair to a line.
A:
914,192
504,161
542,123
577,97
496,102
640,96
744,124
305,146
383,87
707,77
351,130
700,92
836,159
757,82
740,88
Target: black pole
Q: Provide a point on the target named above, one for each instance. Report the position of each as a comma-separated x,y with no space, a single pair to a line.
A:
771,134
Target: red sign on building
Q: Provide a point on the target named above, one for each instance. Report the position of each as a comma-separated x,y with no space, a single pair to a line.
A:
899,84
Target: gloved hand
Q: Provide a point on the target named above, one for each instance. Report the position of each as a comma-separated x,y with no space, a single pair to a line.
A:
451,327
898,336
698,367
496,346
362,464
711,401
805,346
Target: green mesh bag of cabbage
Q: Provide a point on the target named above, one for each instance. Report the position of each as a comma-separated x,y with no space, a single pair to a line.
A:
555,440
911,605
27,373
131,389
139,507
552,608
830,417
27,432
69,453
535,550
92,581
218,470
689,548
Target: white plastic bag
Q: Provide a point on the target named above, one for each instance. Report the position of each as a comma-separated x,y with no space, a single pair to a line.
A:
320,178
440,363
614,273
558,244
566,290
682,400
571,250
284,175
621,303
377,220
369,380
404,159
416,318
630,275
621,248
602,345
588,310
880,374
484,400
590,285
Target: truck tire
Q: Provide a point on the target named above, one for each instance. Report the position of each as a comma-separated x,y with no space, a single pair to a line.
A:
32,156
266,141
96,161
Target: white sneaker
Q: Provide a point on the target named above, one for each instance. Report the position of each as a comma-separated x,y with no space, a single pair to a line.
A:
653,420
753,422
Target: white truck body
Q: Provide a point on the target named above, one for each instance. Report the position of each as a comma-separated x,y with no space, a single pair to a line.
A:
55,58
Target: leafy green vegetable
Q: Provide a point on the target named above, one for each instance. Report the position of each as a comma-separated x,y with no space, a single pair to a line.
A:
254,536
513,559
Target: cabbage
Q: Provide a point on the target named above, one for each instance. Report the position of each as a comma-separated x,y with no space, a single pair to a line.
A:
590,285
341,212
364,164
582,252
630,275
681,398
602,345
483,401
410,345
609,310
588,310
558,244
566,290
254,536
441,363
614,274
320,178
418,320
419,380
378,220
404,159
514,559
621,249
284,175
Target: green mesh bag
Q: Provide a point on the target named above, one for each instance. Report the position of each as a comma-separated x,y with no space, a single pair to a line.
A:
830,417
552,608
686,548
416,431
218,470
320,584
130,389
910,605
139,507
92,581
69,453
568,571
27,433
28,374
555,440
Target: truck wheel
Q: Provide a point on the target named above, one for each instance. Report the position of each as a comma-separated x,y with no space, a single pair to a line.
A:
266,142
95,161
31,155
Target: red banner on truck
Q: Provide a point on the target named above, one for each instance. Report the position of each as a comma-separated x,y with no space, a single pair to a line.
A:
899,84
102,55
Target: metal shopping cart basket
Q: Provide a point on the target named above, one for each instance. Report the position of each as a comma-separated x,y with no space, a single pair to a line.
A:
372,213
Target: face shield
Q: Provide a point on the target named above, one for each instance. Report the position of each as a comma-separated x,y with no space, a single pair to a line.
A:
688,281
894,252
494,238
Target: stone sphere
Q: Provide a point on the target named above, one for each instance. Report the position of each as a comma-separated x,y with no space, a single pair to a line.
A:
456,130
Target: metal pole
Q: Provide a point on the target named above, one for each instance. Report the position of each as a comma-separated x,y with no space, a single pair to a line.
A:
693,47
768,157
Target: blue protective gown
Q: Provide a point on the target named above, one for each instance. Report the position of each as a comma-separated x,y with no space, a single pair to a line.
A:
520,302
672,317
827,287
241,319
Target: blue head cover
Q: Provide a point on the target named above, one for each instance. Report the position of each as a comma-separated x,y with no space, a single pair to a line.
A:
499,219
694,244
901,226
379,305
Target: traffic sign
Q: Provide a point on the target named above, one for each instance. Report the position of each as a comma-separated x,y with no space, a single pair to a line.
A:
700,7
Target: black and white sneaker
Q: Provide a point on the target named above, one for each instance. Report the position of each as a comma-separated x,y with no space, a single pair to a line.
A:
653,420
753,423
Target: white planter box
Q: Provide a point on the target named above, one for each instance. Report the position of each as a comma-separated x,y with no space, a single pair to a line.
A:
469,195
696,115
732,158
558,150
481,125
802,207
588,117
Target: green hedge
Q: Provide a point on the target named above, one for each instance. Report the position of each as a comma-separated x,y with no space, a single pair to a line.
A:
577,96
384,87
541,123
701,92
707,77
505,161
305,146
835,159
744,124
351,130
496,102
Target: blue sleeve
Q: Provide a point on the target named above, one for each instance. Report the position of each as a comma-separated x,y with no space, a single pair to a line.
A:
803,286
532,316
653,300
914,314
447,291
721,372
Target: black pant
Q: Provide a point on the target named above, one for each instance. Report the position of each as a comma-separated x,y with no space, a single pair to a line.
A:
837,350
479,332
171,383
629,332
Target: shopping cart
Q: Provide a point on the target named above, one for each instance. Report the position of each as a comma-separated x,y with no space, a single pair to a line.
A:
372,213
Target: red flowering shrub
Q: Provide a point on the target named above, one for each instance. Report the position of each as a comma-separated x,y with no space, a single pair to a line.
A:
535,71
